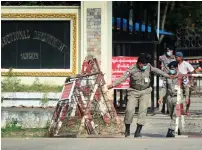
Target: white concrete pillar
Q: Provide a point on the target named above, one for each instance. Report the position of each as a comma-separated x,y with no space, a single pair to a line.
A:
96,33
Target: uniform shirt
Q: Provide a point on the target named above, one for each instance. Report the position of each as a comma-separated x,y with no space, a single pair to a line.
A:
185,68
170,87
139,80
165,61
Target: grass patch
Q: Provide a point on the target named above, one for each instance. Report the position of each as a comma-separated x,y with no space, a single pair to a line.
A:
13,129
18,132
13,84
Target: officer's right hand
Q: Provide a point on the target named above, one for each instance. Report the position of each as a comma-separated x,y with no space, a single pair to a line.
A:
172,76
110,86
160,101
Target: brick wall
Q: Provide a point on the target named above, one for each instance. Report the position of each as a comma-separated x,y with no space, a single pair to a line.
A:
94,32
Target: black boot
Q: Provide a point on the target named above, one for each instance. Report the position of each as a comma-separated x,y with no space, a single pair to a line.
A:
167,112
163,109
127,130
170,133
179,133
138,130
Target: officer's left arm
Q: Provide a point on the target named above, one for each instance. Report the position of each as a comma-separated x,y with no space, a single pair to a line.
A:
159,72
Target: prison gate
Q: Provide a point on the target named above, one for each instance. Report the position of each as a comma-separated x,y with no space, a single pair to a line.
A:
134,33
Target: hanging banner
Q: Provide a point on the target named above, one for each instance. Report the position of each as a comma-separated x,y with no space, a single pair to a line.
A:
119,65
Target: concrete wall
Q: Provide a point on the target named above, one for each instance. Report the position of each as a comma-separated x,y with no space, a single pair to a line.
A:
28,99
26,117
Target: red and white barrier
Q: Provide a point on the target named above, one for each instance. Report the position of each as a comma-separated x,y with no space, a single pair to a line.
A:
78,96
180,114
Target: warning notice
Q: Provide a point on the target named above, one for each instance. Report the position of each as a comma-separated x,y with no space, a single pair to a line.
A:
119,65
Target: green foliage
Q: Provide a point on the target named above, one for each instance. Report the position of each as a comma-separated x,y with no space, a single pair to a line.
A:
188,14
2,99
13,129
47,124
12,126
13,84
44,100
10,83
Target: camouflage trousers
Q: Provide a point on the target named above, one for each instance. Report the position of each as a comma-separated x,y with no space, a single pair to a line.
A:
136,97
171,102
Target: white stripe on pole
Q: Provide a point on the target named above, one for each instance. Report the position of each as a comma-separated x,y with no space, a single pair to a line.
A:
190,75
197,75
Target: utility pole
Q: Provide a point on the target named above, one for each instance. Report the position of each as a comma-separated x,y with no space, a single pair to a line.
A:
157,52
158,18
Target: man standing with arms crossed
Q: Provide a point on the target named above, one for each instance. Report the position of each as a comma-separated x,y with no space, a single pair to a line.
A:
139,91
165,60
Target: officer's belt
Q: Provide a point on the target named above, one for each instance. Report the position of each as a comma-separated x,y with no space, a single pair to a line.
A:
173,95
141,89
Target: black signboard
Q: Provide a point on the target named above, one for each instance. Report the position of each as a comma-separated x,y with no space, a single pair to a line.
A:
35,44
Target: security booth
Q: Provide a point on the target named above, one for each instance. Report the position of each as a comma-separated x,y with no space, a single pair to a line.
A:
134,32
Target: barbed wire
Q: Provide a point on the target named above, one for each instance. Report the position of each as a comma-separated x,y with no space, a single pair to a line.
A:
188,37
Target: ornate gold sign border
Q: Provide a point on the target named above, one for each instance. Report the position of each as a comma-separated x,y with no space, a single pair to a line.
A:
73,18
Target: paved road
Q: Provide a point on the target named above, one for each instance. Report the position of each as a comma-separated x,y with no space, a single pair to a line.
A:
157,125
153,137
101,144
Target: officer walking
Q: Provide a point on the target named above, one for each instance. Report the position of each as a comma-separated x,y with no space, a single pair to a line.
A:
169,89
165,60
139,91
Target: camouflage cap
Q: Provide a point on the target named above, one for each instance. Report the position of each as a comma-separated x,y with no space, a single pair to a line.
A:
173,64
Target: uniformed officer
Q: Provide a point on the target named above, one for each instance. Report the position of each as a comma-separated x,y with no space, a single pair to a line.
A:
169,89
139,91
165,60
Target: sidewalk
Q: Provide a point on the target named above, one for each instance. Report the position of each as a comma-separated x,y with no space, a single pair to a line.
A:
157,125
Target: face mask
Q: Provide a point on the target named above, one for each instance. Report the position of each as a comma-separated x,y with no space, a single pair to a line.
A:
169,53
144,67
172,71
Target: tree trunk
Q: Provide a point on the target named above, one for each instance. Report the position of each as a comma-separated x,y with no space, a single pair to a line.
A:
163,21
164,17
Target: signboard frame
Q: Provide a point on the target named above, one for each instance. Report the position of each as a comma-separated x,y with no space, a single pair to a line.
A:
73,43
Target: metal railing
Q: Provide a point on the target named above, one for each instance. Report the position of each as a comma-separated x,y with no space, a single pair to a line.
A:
180,111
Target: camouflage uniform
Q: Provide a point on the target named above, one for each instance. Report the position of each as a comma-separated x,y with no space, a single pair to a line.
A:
139,91
165,61
169,89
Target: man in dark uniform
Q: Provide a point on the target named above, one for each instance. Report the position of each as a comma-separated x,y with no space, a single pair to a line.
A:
169,90
139,91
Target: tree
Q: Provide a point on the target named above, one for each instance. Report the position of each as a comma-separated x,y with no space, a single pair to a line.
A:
187,14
